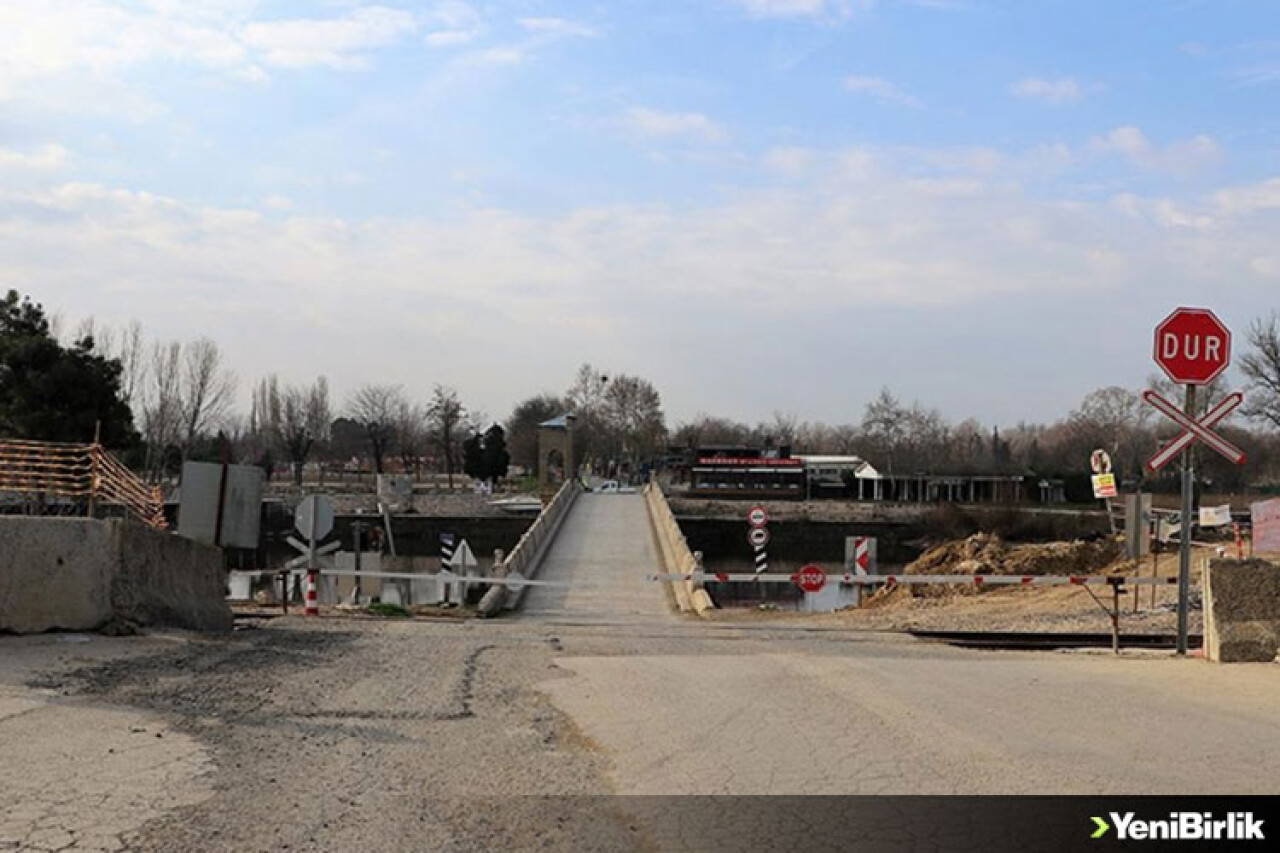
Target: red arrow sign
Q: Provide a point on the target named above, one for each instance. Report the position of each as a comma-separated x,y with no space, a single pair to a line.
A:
1195,429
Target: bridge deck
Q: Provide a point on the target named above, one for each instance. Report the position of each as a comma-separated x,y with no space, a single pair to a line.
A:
604,549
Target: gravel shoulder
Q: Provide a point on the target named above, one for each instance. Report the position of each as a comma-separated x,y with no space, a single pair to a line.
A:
348,735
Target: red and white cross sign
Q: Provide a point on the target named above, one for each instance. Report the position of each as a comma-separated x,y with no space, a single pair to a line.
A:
1195,429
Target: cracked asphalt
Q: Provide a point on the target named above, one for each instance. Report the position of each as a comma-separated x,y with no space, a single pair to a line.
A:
344,733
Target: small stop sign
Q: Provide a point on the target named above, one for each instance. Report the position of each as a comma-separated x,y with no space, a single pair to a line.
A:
1192,346
811,579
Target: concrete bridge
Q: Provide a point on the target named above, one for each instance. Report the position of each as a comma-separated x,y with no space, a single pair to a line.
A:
603,550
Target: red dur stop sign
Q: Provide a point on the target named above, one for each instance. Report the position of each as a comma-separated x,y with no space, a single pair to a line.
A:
1192,346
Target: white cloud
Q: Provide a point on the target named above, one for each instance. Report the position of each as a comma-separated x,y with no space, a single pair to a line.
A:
333,42
827,234
47,158
670,125
880,89
76,55
453,23
508,55
1058,91
1246,200
558,28
1180,157
801,8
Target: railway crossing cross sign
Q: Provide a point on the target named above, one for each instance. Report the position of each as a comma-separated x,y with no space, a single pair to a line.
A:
1193,430
1193,347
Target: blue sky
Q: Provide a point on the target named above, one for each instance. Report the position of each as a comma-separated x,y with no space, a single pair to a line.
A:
757,204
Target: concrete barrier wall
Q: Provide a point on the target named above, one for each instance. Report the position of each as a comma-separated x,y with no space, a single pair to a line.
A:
1242,611
526,557
80,574
677,558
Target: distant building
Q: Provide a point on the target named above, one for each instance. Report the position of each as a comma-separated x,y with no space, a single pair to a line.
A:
736,471
841,476
731,472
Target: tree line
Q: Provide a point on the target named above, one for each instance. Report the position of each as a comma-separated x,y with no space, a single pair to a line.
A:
162,402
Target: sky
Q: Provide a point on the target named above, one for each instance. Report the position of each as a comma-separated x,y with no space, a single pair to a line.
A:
759,205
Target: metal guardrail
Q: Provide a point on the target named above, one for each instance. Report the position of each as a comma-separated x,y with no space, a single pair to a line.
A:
82,477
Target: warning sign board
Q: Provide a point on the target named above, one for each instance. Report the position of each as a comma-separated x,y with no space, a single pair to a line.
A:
1266,527
1104,486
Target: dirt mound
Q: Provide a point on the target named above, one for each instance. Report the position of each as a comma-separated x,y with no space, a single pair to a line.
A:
988,554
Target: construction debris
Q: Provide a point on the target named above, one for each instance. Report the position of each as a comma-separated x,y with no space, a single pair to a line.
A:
988,554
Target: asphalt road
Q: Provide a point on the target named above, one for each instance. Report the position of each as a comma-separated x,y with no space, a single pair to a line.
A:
344,733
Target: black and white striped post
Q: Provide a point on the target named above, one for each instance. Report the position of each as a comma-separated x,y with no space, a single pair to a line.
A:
758,536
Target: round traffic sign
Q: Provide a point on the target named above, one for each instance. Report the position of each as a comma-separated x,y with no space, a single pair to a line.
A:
811,578
1192,346
1100,461
757,517
314,517
758,537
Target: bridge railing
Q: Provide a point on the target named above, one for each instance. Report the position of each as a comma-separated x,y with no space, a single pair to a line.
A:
677,558
526,558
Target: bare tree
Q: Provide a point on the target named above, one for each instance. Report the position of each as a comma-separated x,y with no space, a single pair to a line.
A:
1111,418
445,413
133,368
294,429
162,406
411,436
1261,365
706,430
208,389
374,408
522,427
882,428
633,417
264,421
782,429
320,419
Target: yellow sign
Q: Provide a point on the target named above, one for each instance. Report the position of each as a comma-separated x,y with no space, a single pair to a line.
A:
1104,486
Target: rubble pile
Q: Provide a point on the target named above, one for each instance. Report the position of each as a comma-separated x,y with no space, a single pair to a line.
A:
988,554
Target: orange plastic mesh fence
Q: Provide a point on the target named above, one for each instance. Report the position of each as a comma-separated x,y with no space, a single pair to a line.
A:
78,472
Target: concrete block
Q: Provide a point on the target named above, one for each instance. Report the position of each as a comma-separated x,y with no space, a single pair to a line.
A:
1242,611
55,573
79,574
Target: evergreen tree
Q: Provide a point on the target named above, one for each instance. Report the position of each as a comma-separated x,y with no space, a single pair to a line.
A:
497,461
50,392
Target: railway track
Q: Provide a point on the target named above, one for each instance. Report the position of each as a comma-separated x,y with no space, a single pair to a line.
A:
1052,640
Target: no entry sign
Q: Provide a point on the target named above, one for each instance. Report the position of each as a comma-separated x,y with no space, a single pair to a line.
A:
1192,346
811,579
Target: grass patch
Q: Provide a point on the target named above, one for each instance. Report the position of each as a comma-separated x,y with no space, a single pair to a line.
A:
392,611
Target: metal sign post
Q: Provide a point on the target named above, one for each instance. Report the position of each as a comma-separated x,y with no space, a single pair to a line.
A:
758,536
1104,482
1193,347
1184,544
